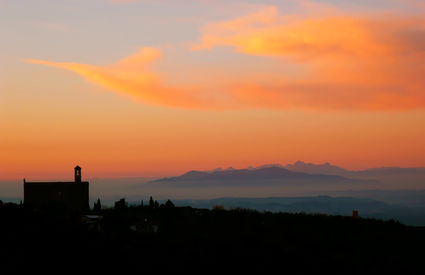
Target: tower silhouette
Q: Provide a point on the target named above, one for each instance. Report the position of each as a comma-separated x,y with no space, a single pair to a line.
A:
77,173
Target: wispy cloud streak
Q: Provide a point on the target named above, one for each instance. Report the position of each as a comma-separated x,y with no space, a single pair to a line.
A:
133,76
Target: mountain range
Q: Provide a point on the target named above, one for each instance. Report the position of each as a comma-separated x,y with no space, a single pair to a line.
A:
299,173
269,175
330,169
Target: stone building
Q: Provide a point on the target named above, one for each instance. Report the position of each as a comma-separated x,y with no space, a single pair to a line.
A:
72,195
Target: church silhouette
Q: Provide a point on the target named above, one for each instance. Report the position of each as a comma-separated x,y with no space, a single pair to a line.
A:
71,195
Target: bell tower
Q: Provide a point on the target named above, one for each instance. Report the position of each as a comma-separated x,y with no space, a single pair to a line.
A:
77,173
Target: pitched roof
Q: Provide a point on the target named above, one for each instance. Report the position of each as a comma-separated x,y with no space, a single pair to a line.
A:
53,182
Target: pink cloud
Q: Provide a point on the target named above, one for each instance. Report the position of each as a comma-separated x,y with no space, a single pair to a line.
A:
350,63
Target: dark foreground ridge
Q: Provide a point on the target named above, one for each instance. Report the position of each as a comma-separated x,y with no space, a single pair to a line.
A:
157,238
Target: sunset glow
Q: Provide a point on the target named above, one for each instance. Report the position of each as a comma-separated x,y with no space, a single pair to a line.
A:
163,87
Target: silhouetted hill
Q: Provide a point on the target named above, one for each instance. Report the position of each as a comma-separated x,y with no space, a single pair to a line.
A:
162,238
319,205
391,171
394,177
380,172
262,176
311,168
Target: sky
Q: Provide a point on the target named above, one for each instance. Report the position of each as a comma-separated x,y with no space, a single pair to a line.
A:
159,87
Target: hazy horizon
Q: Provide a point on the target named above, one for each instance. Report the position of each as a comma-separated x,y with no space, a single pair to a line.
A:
66,176
374,178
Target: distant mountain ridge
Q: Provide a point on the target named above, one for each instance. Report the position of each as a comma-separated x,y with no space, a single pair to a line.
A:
325,168
257,173
330,169
299,172
413,176
272,175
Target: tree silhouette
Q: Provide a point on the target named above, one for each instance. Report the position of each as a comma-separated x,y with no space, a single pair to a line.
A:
121,204
169,204
97,206
151,203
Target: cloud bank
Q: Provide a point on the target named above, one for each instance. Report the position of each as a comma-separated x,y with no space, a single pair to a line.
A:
350,63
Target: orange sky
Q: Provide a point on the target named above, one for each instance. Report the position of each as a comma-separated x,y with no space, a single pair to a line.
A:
257,84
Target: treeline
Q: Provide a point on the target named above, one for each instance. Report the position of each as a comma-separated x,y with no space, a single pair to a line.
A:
154,237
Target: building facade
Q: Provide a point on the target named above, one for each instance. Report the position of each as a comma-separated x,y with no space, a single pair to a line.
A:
71,195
